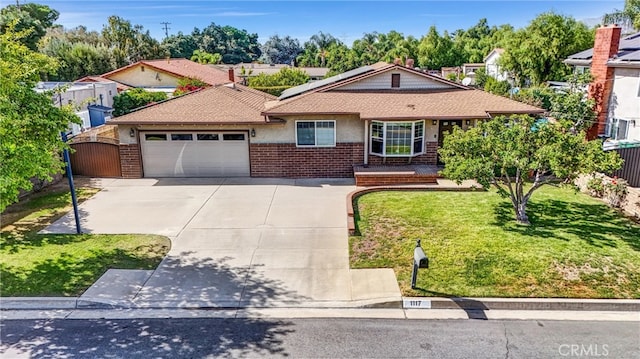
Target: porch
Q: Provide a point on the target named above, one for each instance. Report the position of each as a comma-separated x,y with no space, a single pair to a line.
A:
384,175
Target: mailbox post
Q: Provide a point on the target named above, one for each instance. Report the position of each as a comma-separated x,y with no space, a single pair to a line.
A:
420,260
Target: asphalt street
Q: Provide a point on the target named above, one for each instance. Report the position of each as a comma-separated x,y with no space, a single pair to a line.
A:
317,338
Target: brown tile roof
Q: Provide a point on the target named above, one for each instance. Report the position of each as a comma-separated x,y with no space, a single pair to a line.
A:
182,68
215,105
390,104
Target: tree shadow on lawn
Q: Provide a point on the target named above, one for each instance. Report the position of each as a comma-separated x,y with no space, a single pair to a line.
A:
67,275
593,223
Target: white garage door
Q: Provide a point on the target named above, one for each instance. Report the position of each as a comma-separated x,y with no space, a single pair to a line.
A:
195,154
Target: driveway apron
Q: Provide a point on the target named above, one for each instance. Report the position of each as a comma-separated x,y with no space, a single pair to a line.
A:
236,242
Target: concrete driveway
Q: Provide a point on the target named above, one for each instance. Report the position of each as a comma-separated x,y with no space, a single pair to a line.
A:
236,242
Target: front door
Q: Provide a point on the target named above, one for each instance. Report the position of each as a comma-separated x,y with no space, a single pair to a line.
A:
446,127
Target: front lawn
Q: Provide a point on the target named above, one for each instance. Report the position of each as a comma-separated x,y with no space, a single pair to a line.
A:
64,265
576,246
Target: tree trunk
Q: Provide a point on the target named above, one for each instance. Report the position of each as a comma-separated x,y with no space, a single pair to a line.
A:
521,213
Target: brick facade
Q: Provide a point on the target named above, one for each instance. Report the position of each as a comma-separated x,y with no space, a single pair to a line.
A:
287,160
430,157
605,47
131,161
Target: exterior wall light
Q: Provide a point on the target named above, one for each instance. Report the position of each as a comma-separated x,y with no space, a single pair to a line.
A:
253,132
467,122
132,132
435,122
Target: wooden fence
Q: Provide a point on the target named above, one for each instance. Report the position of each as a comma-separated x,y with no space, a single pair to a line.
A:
96,159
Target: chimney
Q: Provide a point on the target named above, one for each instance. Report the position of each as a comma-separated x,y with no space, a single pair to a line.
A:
232,76
605,47
409,63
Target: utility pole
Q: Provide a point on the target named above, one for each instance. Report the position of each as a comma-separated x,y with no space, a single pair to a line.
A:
166,28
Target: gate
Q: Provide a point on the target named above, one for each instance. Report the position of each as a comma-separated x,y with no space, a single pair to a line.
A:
96,159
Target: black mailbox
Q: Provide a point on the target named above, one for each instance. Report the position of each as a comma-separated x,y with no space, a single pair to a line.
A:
421,259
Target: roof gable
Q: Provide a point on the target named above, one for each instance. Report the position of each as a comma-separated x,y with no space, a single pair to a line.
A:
226,104
179,68
382,80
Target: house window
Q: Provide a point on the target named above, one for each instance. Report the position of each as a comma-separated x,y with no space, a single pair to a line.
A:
315,133
181,137
617,129
142,68
207,137
233,137
397,139
395,80
155,137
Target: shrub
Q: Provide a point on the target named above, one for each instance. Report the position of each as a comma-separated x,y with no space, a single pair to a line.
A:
135,98
186,85
596,187
616,192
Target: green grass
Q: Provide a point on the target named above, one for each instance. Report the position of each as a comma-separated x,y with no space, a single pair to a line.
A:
576,246
64,265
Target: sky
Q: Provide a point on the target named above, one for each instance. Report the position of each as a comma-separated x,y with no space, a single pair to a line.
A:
345,20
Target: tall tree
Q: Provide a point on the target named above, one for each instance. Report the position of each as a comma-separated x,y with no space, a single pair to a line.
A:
180,45
130,43
203,57
33,17
435,51
316,50
628,16
77,59
30,125
281,50
535,53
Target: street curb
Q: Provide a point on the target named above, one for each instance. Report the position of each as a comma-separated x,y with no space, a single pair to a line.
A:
467,304
619,305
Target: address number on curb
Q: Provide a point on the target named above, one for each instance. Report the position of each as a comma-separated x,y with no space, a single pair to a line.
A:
416,304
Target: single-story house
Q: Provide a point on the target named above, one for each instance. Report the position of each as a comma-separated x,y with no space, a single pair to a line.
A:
382,114
163,75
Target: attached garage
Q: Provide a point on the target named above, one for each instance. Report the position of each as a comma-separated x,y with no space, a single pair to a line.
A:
194,154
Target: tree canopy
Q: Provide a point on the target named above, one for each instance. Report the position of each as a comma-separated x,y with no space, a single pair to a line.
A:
628,16
33,17
280,81
535,53
129,100
281,50
30,125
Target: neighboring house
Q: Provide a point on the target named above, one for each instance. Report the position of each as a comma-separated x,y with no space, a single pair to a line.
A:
615,66
469,72
92,102
374,115
492,67
245,70
163,75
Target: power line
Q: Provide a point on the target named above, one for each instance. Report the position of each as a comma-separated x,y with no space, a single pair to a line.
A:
166,28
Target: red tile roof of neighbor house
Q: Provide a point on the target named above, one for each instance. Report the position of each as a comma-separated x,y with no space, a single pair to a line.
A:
224,104
388,104
182,68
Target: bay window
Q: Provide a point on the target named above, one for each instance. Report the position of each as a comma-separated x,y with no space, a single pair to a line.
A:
397,139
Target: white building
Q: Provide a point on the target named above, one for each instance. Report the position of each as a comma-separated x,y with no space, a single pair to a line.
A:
492,67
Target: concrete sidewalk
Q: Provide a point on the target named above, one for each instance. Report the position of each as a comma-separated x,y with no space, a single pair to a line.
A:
236,242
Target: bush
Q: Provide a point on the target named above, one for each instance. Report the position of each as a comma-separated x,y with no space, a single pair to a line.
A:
616,192
133,99
186,85
596,187
496,87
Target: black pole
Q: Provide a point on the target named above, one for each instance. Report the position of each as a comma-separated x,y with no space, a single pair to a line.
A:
74,199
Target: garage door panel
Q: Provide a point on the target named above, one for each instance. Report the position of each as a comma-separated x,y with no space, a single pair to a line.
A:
204,158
